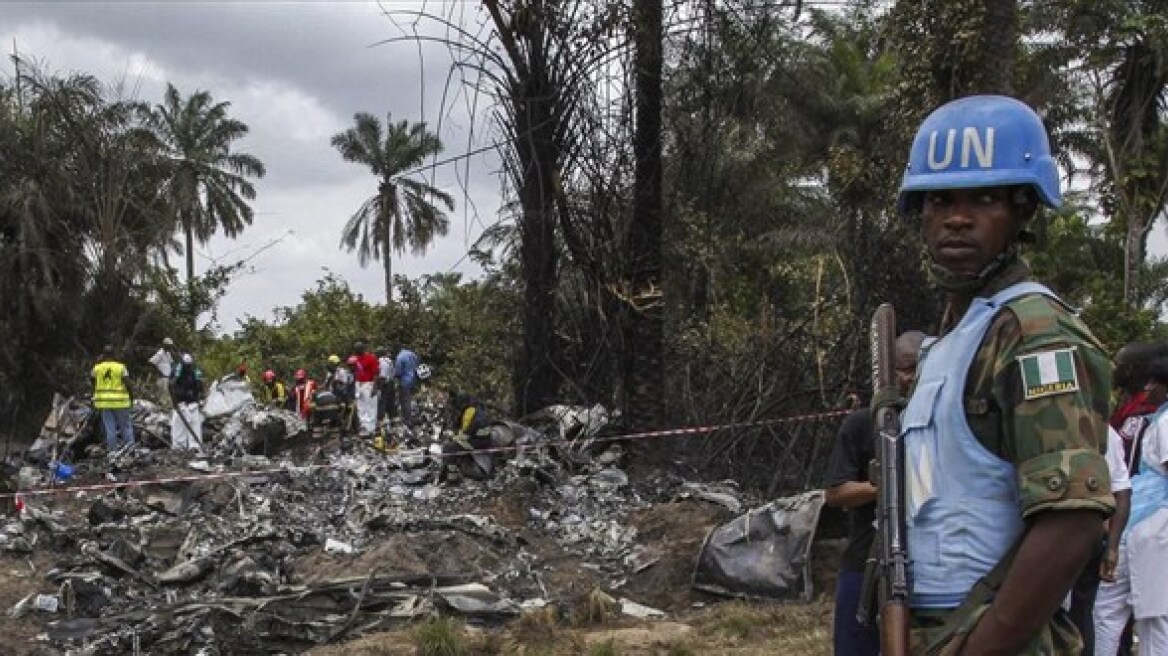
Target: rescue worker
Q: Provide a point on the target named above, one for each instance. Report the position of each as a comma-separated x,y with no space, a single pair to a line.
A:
405,369
186,421
349,387
164,360
386,403
273,393
303,391
365,371
332,400
472,425
1005,431
112,398
240,373
1143,551
848,487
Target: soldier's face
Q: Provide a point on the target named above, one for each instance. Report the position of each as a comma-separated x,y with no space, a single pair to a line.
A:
966,228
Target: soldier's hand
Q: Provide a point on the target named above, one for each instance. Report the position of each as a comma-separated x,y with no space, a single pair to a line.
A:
1107,565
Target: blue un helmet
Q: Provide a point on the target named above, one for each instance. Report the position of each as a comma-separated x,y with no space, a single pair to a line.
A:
981,141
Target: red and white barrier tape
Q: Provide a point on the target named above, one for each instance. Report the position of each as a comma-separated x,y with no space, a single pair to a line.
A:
194,478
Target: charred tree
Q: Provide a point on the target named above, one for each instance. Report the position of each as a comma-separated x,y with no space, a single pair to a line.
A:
644,360
535,119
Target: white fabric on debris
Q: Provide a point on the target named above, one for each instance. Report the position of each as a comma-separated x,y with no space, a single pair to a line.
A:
180,436
367,407
227,395
162,362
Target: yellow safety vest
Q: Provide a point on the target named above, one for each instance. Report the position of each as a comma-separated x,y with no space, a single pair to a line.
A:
275,392
109,386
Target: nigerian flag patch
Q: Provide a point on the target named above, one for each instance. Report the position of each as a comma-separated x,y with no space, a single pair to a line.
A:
1047,373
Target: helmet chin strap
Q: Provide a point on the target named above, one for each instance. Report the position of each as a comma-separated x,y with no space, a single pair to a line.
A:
968,284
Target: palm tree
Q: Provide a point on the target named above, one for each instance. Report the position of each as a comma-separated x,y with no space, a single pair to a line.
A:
207,183
402,212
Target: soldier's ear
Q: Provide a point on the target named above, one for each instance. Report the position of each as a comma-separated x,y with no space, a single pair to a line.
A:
1024,203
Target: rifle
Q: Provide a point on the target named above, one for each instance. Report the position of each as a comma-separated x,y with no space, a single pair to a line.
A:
886,573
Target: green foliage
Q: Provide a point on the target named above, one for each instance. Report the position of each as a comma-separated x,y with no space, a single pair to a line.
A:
464,331
439,636
606,648
1083,264
1113,321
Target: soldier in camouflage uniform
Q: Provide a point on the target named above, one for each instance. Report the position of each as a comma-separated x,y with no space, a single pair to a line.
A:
1007,424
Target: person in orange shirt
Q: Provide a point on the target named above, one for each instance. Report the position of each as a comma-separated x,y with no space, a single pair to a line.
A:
303,390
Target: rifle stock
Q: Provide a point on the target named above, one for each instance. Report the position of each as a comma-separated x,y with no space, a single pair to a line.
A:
892,534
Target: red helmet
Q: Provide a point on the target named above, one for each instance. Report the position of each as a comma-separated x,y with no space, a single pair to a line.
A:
301,374
269,376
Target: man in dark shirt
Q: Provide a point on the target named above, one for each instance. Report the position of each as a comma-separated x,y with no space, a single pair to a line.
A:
848,487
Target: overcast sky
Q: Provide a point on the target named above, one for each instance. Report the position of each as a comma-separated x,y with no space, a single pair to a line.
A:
295,72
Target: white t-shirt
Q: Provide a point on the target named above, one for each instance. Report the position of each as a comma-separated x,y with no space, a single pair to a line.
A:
1120,480
385,367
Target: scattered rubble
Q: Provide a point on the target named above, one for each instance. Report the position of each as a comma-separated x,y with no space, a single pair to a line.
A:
274,540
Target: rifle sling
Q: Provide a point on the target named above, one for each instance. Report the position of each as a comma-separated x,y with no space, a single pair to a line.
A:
982,592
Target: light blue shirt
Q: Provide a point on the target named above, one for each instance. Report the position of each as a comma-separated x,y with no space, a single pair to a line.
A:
405,367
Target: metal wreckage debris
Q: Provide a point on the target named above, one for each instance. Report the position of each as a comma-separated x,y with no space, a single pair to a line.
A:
274,540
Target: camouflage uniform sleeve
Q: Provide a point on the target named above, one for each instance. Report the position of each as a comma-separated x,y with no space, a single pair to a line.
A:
1053,425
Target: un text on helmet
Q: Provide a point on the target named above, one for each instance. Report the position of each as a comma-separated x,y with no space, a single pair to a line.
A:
972,142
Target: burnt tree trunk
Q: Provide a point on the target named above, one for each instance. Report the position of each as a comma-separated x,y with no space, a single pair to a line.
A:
534,121
644,343
999,43
537,381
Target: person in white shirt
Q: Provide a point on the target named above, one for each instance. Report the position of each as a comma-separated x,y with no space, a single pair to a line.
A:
164,360
1141,562
386,398
1111,603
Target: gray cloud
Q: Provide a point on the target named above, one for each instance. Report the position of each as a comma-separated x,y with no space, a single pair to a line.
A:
322,46
295,73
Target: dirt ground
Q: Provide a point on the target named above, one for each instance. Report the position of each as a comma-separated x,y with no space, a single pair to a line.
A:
725,628
697,623
20,576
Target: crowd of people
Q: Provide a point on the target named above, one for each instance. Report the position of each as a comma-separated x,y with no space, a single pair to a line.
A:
358,394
